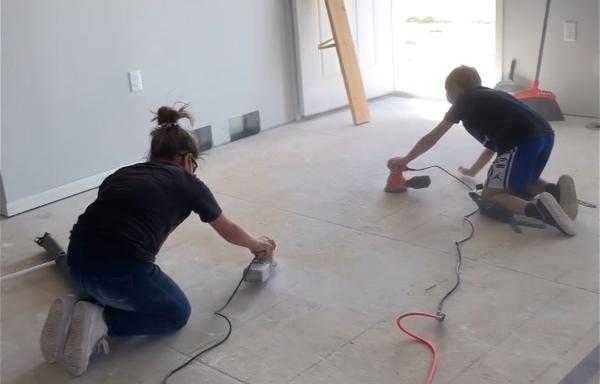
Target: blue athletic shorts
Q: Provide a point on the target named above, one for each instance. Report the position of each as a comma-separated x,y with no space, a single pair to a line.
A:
523,165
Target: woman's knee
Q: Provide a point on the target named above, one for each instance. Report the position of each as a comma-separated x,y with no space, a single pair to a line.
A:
180,315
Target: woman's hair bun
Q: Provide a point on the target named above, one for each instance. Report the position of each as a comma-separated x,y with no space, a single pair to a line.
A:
169,139
170,116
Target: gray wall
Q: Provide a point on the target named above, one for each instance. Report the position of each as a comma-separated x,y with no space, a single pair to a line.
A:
67,112
569,69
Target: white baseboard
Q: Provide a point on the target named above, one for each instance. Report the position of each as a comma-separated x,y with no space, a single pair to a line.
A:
34,201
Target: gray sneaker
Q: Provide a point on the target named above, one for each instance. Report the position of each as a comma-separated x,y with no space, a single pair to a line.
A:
56,328
552,214
88,333
568,196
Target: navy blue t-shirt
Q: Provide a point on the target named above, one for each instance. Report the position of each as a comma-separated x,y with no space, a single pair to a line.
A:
497,119
139,206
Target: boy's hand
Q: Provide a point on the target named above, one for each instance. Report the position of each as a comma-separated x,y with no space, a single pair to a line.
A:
397,164
263,250
467,171
483,159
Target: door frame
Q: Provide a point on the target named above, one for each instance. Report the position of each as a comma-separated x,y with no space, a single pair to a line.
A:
298,80
371,76
499,39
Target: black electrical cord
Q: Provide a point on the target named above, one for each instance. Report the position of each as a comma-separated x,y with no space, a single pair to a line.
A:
440,315
458,263
583,203
458,243
229,326
586,204
468,237
444,170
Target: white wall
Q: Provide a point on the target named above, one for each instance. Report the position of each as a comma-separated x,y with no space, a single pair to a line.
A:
2,194
67,113
569,69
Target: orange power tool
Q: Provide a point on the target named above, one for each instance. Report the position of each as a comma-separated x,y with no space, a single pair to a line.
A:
396,182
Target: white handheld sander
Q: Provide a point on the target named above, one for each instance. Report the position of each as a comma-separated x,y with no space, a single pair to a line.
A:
259,271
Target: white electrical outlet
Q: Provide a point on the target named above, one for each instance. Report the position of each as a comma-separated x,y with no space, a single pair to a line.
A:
570,31
135,81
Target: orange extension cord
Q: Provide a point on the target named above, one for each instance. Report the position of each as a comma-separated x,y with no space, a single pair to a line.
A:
439,316
429,344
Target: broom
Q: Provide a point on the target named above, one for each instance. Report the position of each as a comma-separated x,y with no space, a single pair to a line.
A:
543,102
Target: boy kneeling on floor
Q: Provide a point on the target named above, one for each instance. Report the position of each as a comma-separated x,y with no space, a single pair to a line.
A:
522,141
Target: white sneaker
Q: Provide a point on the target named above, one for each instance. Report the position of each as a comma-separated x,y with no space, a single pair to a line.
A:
88,332
568,196
56,328
553,214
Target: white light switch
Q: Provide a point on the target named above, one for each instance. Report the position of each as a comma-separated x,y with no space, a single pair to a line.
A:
570,31
135,81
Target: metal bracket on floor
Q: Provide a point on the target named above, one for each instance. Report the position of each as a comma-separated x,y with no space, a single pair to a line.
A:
55,253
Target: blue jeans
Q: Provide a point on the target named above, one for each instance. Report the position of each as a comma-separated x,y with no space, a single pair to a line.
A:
138,298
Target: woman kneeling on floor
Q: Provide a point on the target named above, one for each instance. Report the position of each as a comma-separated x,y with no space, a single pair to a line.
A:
113,246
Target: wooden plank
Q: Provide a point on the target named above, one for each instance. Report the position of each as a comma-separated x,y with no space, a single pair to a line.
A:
342,35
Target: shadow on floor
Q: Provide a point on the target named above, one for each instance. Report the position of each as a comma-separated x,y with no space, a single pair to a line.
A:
586,372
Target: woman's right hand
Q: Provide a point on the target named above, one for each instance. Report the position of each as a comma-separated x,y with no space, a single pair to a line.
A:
264,247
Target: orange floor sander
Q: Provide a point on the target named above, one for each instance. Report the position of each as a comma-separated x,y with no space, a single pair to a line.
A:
396,183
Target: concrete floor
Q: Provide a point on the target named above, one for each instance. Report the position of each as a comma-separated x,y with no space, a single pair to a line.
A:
351,259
